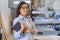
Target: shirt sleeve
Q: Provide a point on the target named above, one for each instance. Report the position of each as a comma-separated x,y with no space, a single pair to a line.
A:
33,26
16,34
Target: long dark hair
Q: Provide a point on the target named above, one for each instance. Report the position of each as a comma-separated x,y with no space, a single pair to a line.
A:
17,12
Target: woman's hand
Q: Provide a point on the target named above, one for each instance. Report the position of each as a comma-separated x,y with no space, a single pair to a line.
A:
33,31
30,30
22,28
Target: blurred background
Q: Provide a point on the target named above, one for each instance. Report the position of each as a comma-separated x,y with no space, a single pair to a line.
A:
44,13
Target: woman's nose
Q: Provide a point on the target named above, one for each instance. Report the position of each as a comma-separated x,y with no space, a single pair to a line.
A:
26,9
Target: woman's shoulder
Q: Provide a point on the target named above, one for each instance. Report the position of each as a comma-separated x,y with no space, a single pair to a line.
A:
19,18
29,17
15,20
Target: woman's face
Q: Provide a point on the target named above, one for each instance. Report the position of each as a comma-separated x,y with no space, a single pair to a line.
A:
24,10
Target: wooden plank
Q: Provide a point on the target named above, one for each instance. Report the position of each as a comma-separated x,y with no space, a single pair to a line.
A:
3,34
6,29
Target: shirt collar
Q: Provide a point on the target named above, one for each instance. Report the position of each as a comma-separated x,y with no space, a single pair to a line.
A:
22,17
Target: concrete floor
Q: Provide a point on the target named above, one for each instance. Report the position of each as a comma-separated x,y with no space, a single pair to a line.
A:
49,37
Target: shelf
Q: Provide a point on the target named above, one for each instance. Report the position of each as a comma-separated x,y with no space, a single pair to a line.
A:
47,37
43,29
47,21
41,12
38,12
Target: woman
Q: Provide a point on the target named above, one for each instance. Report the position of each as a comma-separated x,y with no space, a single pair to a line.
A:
27,26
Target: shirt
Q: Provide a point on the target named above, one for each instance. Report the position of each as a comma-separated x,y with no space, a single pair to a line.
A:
29,23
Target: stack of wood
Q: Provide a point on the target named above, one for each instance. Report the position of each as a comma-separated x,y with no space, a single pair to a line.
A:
5,25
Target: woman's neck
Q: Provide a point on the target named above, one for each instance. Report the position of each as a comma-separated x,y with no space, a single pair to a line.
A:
24,16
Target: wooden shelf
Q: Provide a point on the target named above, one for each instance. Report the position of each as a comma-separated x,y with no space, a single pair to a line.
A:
41,12
47,21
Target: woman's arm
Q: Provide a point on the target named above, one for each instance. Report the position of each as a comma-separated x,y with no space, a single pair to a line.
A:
22,28
31,30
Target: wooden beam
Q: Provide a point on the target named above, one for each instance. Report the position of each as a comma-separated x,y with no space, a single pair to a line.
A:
6,29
